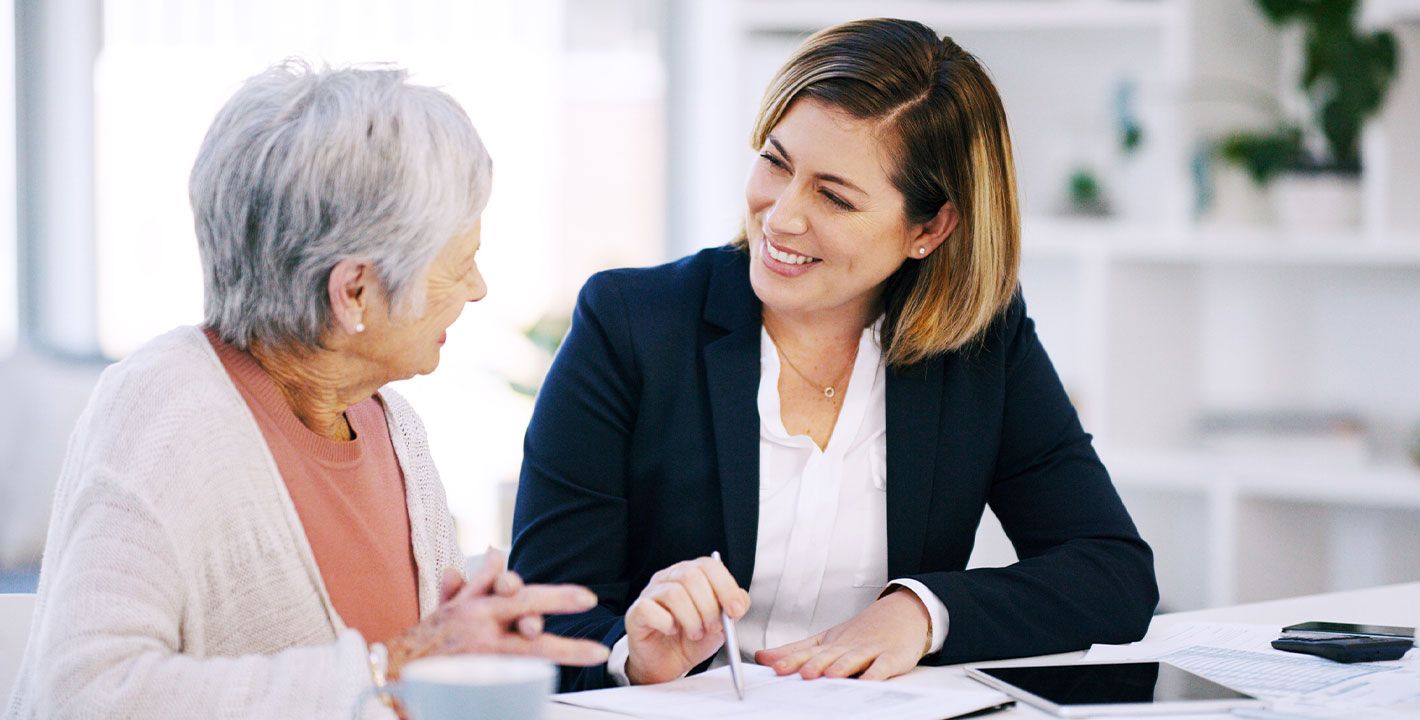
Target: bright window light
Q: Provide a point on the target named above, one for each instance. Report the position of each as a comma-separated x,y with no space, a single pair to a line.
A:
9,287
578,162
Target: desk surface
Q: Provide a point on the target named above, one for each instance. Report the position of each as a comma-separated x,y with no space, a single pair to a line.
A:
1389,605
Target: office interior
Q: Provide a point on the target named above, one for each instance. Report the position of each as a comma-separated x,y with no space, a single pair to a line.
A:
1247,355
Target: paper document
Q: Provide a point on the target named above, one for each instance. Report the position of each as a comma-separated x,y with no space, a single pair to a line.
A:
711,694
1265,674
1241,656
1231,636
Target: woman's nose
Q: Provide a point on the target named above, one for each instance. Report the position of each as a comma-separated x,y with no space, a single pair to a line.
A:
479,290
786,217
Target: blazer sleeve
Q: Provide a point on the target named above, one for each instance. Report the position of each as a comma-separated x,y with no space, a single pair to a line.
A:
1084,575
571,522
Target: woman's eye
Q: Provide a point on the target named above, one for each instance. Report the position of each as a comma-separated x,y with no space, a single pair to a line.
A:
840,203
776,162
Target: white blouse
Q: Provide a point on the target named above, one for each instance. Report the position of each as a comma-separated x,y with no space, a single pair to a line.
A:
821,549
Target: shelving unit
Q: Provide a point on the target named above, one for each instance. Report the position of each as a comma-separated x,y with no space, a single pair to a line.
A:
1091,240
1151,317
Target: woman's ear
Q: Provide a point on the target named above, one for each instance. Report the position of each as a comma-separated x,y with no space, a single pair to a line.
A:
348,289
928,236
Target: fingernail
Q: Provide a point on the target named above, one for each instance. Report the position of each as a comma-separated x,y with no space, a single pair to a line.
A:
589,598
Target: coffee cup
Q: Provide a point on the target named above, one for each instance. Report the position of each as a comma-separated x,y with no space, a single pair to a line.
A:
474,687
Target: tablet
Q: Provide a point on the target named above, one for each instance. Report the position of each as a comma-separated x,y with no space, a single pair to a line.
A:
1101,689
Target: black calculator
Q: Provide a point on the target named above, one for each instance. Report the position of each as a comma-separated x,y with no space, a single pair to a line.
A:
1344,648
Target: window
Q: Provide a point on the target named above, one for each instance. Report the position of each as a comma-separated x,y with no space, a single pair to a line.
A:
9,286
568,97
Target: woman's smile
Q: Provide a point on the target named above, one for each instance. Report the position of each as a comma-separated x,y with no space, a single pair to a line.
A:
784,261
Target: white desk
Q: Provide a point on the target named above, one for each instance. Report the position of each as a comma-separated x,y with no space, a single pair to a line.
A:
1389,605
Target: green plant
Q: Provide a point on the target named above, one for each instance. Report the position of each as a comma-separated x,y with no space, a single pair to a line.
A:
1264,155
1345,77
1085,194
546,335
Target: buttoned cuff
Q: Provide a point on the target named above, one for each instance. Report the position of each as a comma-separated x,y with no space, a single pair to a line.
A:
616,662
936,610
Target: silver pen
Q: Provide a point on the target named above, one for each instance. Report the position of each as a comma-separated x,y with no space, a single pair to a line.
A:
732,647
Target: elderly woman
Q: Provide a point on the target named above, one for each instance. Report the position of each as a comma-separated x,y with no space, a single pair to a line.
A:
249,523
831,402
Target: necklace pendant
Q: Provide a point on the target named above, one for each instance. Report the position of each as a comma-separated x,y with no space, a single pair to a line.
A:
828,392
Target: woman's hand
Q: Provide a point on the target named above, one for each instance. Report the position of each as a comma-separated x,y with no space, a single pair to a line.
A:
885,640
492,577
675,624
493,612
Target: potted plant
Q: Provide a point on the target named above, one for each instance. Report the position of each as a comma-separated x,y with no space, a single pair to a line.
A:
1313,162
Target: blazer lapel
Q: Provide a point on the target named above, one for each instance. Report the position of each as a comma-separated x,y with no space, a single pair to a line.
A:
914,411
732,377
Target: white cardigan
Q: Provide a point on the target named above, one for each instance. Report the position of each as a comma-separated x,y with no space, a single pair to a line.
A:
177,580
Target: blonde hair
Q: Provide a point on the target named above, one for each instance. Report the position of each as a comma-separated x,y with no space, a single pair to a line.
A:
943,113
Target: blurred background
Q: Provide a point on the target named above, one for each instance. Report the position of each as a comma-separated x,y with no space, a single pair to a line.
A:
1222,236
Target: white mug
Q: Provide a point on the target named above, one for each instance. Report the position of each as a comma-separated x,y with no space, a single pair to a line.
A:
475,687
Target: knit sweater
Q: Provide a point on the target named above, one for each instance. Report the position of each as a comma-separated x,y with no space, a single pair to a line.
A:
177,580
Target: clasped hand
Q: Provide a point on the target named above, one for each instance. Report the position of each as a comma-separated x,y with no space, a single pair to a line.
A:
494,612
675,625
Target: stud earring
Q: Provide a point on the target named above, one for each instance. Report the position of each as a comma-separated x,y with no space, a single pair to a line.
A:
922,251
359,327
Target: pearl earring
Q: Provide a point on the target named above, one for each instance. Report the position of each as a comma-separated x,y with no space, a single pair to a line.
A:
922,251
359,327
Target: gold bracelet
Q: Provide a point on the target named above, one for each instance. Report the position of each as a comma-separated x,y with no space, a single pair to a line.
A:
379,659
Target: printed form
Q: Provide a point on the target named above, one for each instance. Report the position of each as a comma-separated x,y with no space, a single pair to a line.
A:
767,695
1240,656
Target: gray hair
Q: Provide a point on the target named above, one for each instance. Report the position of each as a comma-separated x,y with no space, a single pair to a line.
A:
304,168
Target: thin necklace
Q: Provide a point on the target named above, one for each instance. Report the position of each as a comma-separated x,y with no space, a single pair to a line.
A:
828,391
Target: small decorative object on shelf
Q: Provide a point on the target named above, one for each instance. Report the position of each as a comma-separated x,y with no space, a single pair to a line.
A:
1126,118
1085,195
1299,435
1086,187
1314,162
1415,446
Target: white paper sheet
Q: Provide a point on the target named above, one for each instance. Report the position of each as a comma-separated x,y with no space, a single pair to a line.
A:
1231,636
711,694
1241,656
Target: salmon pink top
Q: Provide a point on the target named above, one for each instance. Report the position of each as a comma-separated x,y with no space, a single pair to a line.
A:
350,497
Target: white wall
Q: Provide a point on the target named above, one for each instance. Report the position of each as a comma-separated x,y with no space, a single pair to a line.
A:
39,401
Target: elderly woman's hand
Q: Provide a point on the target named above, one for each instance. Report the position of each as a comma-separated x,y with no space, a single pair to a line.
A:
493,612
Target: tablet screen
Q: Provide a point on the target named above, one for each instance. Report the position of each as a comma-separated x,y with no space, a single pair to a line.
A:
1111,683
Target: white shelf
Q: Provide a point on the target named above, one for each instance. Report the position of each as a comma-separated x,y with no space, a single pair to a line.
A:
1230,529
1073,239
1393,486
797,16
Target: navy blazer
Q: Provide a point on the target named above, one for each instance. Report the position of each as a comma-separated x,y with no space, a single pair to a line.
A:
643,451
